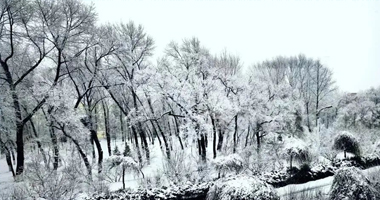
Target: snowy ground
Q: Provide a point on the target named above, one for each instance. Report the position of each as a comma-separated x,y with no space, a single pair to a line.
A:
6,179
156,166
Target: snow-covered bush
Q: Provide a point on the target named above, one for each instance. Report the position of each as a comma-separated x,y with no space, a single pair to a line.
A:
297,150
229,163
116,151
350,183
179,169
185,191
46,183
347,142
241,188
125,164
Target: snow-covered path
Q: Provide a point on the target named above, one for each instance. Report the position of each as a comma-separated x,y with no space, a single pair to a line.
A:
322,185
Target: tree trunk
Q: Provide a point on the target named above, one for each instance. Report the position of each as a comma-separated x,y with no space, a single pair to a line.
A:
107,127
93,148
159,128
167,148
317,96
123,135
20,148
155,134
308,116
39,145
99,148
18,118
258,138
9,162
123,178
214,135
246,138
203,147
220,140
144,142
140,130
177,132
54,141
235,134
81,152
137,144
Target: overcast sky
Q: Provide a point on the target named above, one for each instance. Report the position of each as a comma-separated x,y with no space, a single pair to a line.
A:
345,35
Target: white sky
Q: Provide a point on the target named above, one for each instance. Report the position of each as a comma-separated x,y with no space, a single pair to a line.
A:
345,35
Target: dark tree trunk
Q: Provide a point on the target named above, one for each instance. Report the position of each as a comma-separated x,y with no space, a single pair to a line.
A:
203,147
81,152
177,132
99,148
155,134
258,140
247,137
199,147
144,142
167,148
308,116
137,144
123,178
170,138
13,153
93,147
140,130
123,135
150,136
220,140
214,135
20,149
107,127
235,134
317,97
9,162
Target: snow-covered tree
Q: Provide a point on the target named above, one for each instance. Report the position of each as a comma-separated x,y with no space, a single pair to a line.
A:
347,142
297,150
125,164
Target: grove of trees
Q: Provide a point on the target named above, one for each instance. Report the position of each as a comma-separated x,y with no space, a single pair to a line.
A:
66,80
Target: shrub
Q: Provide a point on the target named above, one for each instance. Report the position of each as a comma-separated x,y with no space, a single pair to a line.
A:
116,151
241,188
125,163
179,169
350,183
127,151
346,142
298,151
230,163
